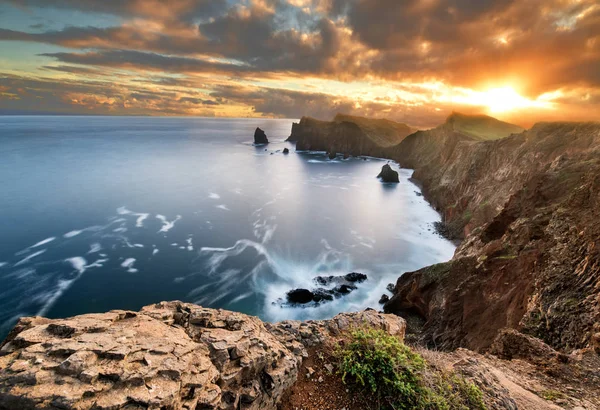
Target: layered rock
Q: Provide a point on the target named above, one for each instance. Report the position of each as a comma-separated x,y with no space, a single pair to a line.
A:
169,355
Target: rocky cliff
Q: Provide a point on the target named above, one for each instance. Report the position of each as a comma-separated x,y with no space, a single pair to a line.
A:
348,135
171,355
526,207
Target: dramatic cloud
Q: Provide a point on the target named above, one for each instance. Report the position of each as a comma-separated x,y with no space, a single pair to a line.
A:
413,60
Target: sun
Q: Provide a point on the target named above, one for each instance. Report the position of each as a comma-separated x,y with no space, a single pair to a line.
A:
503,99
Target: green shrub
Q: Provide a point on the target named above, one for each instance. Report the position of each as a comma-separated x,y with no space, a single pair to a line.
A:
381,367
379,362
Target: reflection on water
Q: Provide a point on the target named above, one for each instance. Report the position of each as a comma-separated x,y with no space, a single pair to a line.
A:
103,213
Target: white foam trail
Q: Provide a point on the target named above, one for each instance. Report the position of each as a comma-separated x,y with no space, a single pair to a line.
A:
97,264
223,207
138,245
72,234
141,215
128,263
78,263
95,247
242,297
155,251
45,241
167,225
189,242
214,196
33,255
3,264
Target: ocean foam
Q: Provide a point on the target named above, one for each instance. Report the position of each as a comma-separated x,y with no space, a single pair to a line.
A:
95,247
223,207
167,225
128,263
33,255
212,195
155,251
141,216
78,263
72,233
45,241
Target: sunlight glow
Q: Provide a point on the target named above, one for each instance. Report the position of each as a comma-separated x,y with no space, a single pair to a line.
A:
500,100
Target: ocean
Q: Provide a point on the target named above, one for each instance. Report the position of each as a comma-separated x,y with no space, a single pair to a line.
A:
102,213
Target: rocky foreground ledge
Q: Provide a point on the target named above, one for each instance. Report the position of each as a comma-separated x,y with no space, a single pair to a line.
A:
169,355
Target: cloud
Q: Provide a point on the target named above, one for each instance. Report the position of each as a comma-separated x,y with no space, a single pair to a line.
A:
265,57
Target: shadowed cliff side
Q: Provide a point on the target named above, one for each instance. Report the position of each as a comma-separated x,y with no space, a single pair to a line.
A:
348,135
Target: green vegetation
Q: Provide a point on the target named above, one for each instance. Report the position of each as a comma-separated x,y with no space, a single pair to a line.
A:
551,395
379,366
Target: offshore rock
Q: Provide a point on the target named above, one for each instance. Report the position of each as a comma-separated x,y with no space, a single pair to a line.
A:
260,137
387,174
170,355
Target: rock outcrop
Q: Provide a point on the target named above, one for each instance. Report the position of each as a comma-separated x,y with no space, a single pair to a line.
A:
260,138
387,174
170,355
348,135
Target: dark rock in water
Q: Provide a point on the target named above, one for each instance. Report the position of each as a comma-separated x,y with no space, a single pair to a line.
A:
355,277
260,137
322,295
384,299
300,296
387,174
342,285
332,155
286,151
343,289
390,287
346,155
418,193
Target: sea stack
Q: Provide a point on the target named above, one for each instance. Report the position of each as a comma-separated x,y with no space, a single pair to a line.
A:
387,174
260,137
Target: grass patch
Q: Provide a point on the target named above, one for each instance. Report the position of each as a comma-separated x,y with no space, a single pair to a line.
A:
392,376
551,395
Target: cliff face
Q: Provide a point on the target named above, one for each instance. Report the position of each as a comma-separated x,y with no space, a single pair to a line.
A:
525,205
528,206
348,135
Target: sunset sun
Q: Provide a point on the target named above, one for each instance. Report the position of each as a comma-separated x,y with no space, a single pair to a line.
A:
504,99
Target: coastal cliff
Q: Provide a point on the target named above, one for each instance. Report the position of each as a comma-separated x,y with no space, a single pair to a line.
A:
526,207
348,135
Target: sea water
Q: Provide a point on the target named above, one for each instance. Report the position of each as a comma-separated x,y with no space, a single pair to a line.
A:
101,213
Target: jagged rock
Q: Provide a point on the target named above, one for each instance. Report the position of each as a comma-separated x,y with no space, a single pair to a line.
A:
387,174
286,151
353,277
169,355
260,137
332,155
390,287
384,299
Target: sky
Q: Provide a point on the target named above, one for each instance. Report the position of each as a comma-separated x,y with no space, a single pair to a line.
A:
414,61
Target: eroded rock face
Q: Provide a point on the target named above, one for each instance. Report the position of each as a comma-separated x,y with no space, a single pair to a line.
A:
171,355
260,137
